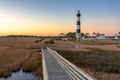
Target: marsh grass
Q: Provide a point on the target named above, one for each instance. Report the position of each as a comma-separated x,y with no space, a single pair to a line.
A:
118,46
96,50
33,47
49,41
24,54
100,42
33,64
37,41
95,60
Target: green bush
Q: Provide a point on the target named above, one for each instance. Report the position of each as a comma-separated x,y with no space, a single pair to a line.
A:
49,42
37,41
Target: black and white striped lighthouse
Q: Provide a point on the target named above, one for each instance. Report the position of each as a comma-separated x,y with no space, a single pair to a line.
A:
78,30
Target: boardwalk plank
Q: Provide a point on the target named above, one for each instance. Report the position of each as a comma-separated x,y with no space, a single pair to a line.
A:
55,71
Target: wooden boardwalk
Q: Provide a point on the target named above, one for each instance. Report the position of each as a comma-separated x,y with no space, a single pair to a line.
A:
54,70
55,67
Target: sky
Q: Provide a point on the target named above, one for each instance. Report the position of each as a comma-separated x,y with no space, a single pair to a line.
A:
51,17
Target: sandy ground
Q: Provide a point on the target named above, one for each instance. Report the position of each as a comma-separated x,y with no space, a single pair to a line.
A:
2,48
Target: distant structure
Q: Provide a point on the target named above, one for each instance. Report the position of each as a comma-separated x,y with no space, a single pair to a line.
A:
78,30
100,36
116,36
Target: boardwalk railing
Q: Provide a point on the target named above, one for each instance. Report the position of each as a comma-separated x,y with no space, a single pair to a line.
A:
45,72
71,70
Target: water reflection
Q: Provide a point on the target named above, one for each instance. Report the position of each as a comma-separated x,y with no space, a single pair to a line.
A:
20,75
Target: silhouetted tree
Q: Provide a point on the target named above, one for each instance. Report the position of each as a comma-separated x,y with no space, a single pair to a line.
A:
82,34
87,34
96,33
71,35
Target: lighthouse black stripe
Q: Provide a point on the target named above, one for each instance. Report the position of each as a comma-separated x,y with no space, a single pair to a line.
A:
78,22
78,30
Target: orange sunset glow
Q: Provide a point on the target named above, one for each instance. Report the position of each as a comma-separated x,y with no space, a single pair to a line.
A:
48,20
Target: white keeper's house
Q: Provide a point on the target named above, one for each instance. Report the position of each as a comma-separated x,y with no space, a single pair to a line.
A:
100,36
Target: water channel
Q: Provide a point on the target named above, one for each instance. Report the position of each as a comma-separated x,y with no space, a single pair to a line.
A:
20,75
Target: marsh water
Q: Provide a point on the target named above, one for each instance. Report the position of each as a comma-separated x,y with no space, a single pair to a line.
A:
20,75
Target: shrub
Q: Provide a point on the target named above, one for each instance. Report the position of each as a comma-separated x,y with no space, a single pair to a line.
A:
49,42
37,41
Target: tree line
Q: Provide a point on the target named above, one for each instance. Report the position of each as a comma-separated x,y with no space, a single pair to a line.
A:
86,35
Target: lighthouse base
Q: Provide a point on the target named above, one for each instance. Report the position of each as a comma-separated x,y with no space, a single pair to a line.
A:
78,36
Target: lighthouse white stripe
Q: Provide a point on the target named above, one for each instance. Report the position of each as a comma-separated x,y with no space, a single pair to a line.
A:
78,26
78,18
